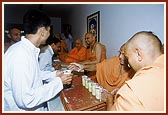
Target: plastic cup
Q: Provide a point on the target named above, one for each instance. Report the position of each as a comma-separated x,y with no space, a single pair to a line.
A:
98,92
93,88
57,64
86,83
84,77
67,71
90,85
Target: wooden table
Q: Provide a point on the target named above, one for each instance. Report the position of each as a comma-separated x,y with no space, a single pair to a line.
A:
78,98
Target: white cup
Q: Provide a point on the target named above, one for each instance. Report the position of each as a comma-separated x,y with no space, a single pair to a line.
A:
93,88
90,85
84,77
98,92
87,83
67,71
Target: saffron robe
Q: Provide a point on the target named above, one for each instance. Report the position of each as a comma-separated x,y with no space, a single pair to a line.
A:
145,91
74,55
108,74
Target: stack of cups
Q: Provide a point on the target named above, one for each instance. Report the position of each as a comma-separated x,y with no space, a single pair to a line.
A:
93,87
87,83
90,85
84,77
98,92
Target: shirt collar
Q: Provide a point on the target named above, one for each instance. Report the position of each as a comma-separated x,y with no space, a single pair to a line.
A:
51,50
30,45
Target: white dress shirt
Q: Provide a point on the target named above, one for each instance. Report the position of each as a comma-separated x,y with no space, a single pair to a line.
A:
45,58
45,62
23,86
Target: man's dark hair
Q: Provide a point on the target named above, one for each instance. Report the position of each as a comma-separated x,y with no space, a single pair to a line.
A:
33,20
53,39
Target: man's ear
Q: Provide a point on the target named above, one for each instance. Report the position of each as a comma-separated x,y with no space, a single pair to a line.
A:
52,45
41,31
8,35
139,54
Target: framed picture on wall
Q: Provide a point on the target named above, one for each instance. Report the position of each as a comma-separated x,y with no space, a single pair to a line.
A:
93,24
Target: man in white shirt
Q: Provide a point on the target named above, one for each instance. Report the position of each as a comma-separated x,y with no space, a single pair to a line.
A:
47,52
23,86
45,62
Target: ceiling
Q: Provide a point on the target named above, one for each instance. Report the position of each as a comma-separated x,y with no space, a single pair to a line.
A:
17,10
53,10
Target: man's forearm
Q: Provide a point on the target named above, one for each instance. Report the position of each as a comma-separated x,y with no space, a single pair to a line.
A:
90,67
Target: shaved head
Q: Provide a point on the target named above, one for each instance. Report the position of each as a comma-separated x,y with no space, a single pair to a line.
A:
146,41
145,46
78,43
14,34
122,48
78,39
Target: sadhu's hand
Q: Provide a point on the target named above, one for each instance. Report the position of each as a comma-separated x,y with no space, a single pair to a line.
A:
75,67
105,94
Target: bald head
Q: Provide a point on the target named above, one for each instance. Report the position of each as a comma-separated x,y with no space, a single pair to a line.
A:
79,40
145,46
14,34
78,43
122,48
90,38
146,41
93,34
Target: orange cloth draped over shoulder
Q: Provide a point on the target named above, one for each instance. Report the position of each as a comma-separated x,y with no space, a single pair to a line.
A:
91,56
108,74
74,55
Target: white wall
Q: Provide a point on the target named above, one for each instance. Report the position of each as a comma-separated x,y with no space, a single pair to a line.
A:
118,22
